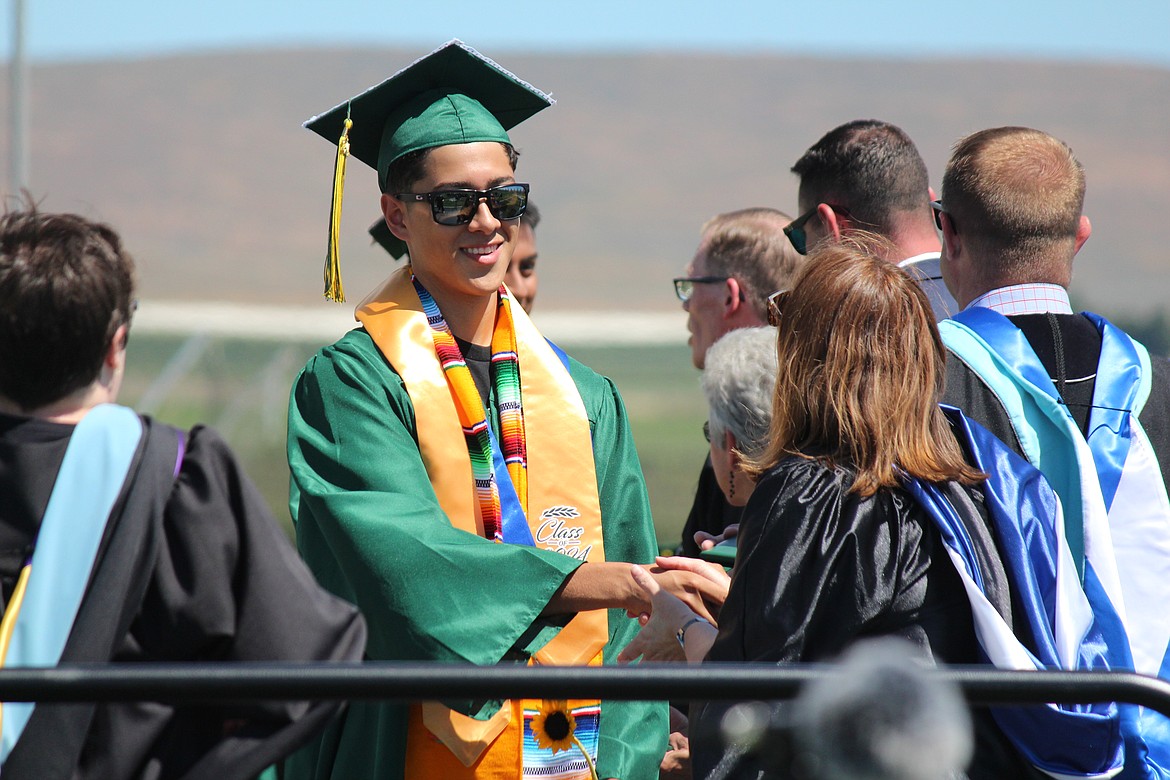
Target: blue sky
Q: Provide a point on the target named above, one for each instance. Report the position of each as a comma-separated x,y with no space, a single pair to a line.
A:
1123,30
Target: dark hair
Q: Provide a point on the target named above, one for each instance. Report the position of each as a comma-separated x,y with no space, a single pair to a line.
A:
410,167
870,167
531,216
65,287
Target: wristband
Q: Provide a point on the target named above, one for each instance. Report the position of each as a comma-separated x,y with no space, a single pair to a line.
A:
680,635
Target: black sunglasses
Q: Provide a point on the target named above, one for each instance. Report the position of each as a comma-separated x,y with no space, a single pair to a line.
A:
776,303
795,229
457,207
707,430
936,206
684,287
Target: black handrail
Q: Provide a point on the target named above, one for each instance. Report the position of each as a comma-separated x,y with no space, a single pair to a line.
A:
372,680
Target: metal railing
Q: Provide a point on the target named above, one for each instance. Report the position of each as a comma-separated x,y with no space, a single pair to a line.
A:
373,680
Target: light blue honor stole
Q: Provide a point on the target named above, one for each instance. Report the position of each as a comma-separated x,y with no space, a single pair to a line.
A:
1113,478
1075,628
97,461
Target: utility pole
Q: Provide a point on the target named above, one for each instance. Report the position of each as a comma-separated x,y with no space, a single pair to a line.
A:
17,106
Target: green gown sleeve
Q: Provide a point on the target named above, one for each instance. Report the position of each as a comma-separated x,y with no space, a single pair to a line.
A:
370,527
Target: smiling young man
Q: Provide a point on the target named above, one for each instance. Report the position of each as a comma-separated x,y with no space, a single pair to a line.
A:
471,488
521,278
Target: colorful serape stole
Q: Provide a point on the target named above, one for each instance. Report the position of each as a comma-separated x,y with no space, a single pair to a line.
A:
506,378
505,372
566,764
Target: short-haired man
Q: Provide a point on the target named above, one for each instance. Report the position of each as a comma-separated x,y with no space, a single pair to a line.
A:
742,258
471,488
521,276
1073,393
868,175
123,539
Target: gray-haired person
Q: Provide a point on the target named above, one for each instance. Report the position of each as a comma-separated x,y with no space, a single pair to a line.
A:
739,382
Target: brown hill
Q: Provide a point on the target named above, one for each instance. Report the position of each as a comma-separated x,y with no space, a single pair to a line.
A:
201,160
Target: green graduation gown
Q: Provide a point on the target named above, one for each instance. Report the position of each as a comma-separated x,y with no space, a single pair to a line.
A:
370,527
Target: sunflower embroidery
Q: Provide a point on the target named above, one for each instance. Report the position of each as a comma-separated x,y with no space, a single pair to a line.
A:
554,727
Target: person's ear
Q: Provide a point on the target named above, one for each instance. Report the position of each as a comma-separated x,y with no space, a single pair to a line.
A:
949,235
1084,228
114,361
735,296
830,219
394,212
116,351
729,443
954,261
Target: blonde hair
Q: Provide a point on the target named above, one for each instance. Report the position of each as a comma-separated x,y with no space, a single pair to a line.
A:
750,245
861,372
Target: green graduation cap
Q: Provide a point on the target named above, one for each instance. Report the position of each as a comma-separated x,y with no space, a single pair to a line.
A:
454,95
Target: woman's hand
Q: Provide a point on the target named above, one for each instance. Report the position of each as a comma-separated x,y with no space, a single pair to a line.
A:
676,764
711,571
657,641
706,541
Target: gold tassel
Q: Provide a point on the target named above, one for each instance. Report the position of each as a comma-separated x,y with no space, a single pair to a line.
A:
333,288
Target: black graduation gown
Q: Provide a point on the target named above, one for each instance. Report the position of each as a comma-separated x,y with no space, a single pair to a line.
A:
818,568
191,568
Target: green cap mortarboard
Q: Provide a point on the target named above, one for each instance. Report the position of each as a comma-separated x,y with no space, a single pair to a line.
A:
454,95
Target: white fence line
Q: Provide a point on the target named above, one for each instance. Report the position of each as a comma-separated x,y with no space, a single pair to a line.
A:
328,322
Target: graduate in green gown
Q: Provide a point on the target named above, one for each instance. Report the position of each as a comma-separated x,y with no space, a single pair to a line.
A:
471,488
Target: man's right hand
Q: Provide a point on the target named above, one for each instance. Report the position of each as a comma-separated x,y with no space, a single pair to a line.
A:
610,585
